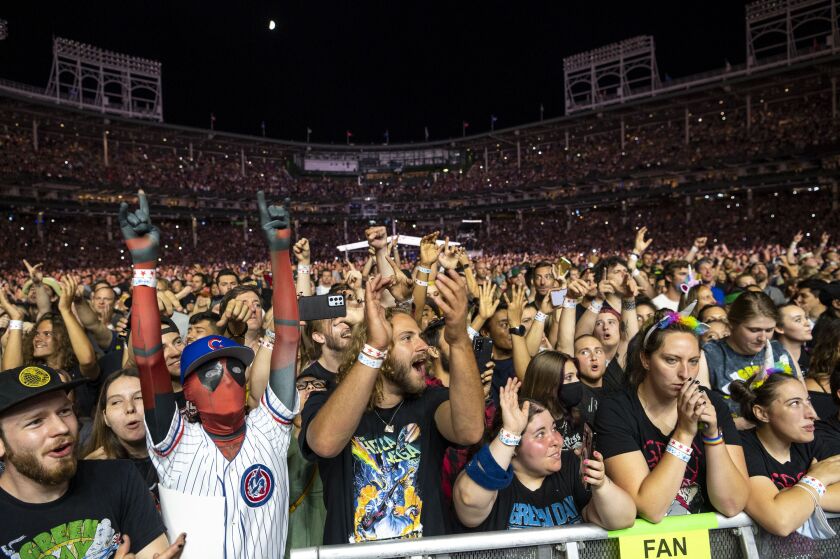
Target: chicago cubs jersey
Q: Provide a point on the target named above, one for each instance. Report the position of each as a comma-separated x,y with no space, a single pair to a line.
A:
254,484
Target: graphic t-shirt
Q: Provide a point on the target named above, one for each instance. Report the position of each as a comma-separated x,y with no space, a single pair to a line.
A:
105,499
558,502
385,484
761,463
726,365
588,405
623,426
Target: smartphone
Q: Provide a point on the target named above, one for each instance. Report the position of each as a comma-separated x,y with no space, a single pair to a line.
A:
483,349
585,448
319,307
557,297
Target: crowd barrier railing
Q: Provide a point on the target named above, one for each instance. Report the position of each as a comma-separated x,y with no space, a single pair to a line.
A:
732,538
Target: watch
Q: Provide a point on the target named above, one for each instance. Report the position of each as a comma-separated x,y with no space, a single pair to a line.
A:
518,331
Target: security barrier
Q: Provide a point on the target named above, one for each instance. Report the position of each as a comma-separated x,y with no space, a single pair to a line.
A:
734,538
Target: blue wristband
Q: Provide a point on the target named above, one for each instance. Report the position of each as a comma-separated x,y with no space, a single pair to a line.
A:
486,472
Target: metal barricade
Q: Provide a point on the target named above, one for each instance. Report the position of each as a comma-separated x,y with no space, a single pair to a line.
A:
734,538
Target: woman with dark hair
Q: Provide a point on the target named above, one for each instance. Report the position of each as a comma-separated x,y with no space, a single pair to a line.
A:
551,377
118,428
748,348
825,358
782,454
668,442
524,478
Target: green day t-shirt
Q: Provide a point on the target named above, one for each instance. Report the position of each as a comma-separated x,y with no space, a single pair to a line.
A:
385,484
725,366
105,500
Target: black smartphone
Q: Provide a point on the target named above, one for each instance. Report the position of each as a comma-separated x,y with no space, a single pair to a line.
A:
483,349
319,307
585,448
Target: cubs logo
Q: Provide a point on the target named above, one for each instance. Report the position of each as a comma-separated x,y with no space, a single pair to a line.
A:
257,485
214,343
34,377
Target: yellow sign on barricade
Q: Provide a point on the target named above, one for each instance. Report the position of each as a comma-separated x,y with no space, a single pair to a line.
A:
676,537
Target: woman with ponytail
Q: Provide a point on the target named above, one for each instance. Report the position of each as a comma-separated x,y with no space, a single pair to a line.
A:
792,475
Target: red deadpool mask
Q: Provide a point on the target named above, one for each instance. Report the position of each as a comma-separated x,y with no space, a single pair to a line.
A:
217,389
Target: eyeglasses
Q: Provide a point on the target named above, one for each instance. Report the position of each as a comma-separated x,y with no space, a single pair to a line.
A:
317,384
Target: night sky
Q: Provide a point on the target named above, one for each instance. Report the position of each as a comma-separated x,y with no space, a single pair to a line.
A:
367,66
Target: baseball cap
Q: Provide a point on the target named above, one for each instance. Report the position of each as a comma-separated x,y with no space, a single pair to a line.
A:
209,348
23,383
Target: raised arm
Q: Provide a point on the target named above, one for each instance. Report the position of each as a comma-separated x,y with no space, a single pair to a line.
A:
90,321
143,242
429,251
13,354
79,341
276,224
303,283
574,294
331,428
521,357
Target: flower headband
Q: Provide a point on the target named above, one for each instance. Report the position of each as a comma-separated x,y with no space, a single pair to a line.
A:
762,376
683,317
690,281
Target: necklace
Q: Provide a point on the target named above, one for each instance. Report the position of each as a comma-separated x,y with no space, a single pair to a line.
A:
389,425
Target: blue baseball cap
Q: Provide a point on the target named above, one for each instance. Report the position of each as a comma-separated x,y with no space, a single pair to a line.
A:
209,348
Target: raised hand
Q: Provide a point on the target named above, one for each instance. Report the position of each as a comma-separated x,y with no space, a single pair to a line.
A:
235,317
12,310
301,250
700,242
141,237
34,273
379,331
577,288
401,287
798,237
824,238
641,244
605,286
448,258
429,249
516,304
275,222
463,257
68,293
377,237
452,301
487,302
514,417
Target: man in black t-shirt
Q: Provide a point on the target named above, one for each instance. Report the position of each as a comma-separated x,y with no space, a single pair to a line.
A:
328,339
54,505
379,435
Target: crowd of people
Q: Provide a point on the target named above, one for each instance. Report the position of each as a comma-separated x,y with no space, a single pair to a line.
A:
455,390
784,120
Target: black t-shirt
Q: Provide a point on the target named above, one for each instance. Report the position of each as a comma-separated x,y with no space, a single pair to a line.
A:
761,463
614,377
188,299
588,405
622,426
828,433
558,502
384,485
320,372
501,373
823,404
105,499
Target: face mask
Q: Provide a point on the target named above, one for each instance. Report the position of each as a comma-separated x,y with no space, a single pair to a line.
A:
571,394
217,389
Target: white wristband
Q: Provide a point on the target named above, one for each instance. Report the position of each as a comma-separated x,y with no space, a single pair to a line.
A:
471,332
595,307
424,270
15,325
421,283
540,316
370,362
570,303
146,277
303,269
509,439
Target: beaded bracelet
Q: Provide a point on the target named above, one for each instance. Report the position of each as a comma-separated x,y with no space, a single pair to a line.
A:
678,453
508,438
814,484
372,363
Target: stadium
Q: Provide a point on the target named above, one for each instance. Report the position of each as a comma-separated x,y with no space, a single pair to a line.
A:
733,167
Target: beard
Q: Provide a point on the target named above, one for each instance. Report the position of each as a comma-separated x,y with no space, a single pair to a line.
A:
401,373
28,465
336,343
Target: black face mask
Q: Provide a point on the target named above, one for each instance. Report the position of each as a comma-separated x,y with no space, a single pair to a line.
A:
571,394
